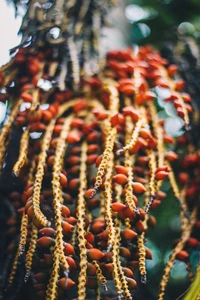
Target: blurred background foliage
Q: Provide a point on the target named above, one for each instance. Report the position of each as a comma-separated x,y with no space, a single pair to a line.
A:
155,21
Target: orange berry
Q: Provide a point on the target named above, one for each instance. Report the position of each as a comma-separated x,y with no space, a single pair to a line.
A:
139,226
132,284
171,156
102,115
92,158
91,269
47,115
128,234
74,184
27,97
77,123
124,252
132,112
47,231
92,283
74,137
168,139
183,177
117,206
63,180
45,241
182,255
179,85
68,249
89,237
138,188
81,104
97,226
186,97
128,272
114,120
103,235
155,203
151,221
172,69
65,283
121,170
120,179
95,254
92,148
161,175
71,262
98,160
161,195
67,227
192,242
73,160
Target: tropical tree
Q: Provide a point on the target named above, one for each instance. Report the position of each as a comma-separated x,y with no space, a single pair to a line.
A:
92,144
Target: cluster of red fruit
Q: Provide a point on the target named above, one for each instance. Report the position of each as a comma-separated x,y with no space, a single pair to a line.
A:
82,222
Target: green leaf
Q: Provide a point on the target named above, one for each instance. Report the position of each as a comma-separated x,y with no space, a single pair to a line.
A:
194,289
